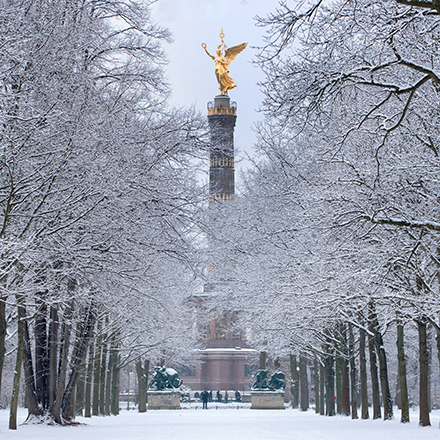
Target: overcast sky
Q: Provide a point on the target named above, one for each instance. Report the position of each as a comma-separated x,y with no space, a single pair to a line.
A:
191,71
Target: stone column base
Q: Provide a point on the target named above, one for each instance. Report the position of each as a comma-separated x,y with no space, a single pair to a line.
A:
164,399
267,400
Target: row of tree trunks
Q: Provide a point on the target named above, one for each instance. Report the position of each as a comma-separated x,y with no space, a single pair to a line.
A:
48,389
340,361
325,373
338,366
108,372
99,393
379,381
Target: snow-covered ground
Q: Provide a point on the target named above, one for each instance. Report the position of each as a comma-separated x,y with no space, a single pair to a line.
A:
225,424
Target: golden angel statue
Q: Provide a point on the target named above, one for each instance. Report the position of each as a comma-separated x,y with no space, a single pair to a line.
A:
222,63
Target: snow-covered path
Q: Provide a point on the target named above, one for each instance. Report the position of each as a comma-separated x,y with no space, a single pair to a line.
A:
224,424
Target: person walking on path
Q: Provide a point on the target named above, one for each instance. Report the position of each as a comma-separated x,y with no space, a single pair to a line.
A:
226,396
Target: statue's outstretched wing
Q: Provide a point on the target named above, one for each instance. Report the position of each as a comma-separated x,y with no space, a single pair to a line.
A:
232,52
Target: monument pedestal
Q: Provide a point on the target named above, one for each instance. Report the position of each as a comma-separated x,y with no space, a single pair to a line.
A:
267,400
163,399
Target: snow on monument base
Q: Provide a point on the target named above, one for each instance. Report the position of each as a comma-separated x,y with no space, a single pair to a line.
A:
267,400
164,400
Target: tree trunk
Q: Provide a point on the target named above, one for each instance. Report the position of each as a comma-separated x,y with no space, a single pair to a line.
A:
353,372
423,367
89,380
294,384
383,372
102,378
377,414
345,372
80,394
437,328
429,348
115,386
316,379
338,375
41,360
108,384
3,325
345,395
322,390
142,374
64,359
53,344
263,360
78,362
329,385
403,389
78,405
304,384
29,378
112,361
96,374
17,374
363,374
